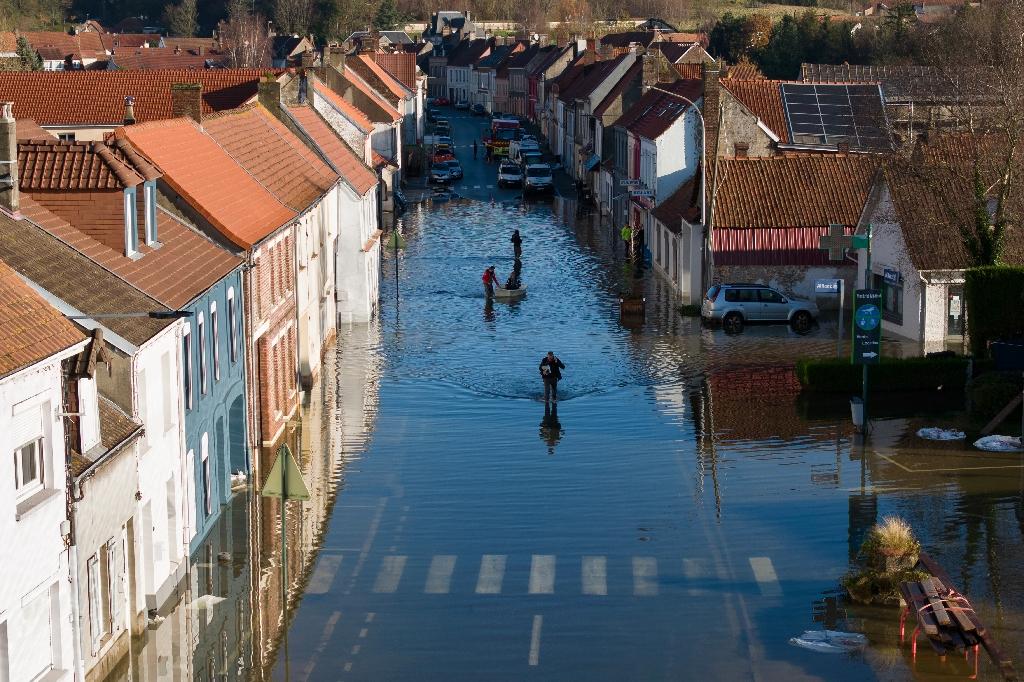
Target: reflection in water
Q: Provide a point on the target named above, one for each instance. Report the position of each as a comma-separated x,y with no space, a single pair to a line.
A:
550,428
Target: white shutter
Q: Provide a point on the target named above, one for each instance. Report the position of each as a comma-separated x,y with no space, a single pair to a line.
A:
27,426
117,579
35,655
95,603
167,390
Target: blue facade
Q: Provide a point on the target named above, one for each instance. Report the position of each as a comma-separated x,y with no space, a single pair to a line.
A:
213,352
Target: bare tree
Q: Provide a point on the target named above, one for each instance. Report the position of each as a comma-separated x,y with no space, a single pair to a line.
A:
293,16
246,38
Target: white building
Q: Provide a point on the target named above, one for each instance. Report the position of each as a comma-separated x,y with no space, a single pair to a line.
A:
37,603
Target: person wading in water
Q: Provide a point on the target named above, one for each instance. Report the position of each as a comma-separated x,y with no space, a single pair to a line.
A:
517,245
489,279
550,372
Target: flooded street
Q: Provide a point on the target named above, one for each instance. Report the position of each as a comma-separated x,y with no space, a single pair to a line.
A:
682,515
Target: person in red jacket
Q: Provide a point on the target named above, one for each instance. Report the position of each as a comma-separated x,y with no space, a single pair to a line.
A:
489,279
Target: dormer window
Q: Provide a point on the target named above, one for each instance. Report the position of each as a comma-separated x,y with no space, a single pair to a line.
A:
131,224
149,202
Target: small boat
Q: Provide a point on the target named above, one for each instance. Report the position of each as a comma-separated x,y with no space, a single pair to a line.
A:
509,294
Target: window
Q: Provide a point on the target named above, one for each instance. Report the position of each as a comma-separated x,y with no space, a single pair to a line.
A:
739,295
215,341
892,298
131,223
201,326
207,479
28,467
770,296
232,325
149,202
186,355
66,137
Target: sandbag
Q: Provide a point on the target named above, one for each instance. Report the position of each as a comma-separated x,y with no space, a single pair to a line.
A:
935,433
830,641
998,444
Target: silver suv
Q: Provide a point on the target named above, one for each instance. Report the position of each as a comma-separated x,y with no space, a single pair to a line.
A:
736,304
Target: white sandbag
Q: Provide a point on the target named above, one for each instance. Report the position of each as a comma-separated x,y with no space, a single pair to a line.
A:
998,444
935,433
830,641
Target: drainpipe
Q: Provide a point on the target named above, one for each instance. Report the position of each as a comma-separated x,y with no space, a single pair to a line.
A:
76,627
924,317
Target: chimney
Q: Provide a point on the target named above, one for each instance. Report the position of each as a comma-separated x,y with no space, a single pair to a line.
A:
177,49
270,95
741,149
710,73
649,70
187,100
589,52
843,147
129,110
9,198
202,50
605,51
580,46
306,59
336,57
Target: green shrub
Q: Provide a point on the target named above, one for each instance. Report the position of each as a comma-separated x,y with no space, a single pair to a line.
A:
995,305
891,374
991,392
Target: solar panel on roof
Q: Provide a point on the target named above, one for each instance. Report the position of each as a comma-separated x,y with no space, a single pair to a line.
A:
825,115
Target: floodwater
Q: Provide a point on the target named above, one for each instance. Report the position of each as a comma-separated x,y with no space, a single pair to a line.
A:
682,515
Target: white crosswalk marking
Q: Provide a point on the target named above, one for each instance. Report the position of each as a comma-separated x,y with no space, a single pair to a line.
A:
390,574
594,573
645,576
476,186
490,186
492,572
534,657
542,574
439,578
764,574
695,568
324,574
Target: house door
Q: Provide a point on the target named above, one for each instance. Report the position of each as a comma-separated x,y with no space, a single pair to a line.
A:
955,311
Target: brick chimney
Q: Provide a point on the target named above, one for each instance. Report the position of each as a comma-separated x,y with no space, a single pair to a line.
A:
336,57
187,100
741,149
129,110
9,197
270,95
306,59
843,147
605,51
710,73
202,50
648,70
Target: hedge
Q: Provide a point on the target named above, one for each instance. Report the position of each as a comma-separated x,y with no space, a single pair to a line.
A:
891,374
995,305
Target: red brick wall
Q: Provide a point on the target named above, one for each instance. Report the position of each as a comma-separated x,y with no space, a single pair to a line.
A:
100,214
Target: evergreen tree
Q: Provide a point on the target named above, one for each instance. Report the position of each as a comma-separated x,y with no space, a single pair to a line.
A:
30,59
387,17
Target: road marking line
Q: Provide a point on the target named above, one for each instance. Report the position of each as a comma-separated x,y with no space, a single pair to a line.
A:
542,574
645,576
595,575
694,568
369,616
356,649
492,572
322,646
490,186
324,574
363,633
439,578
764,574
390,574
348,667
534,658
476,186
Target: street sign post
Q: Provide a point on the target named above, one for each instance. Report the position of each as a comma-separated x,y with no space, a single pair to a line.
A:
867,326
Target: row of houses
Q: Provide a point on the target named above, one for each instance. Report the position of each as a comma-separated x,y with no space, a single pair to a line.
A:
176,253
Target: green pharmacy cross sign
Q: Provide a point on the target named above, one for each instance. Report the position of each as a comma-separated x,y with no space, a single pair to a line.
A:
836,242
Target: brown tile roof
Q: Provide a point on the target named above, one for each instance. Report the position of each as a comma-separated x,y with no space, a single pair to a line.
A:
656,111
796,191
764,99
629,78
194,44
592,77
684,204
271,153
202,172
27,129
162,58
343,106
114,41
744,70
393,84
97,97
186,265
341,156
701,38
401,65
115,426
59,45
46,261
69,166
688,71
30,328
469,52
357,82
8,41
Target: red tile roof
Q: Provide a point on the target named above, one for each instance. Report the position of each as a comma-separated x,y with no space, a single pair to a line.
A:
69,166
393,84
656,111
186,265
27,129
149,58
343,106
744,70
341,156
30,328
688,70
61,45
684,204
8,41
272,154
202,172
796,191
97,97
115,41
593,76
764,99
194,44
401,65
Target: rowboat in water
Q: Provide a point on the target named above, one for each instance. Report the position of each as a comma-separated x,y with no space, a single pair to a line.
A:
509,294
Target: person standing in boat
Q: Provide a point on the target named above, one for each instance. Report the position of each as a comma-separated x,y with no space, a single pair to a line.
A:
550,372
490,279
514,281
517,245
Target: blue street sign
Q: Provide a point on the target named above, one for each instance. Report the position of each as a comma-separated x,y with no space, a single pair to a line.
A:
867,326
826,286
891,276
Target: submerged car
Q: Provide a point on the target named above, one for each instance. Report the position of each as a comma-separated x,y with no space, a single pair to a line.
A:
734,305
509,173
439,173
454,169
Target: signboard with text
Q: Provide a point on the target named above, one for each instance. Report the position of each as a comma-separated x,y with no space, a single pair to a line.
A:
826,286
891,276
641,192
867,326
630,183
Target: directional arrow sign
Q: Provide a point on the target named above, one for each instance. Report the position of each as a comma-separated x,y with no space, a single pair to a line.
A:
867,326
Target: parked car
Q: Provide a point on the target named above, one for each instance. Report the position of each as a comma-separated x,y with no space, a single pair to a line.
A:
443,140
462,104
431,115
531,158
538,178
454,169
442,128
478,110
734,305
441,101
509,173
439,173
